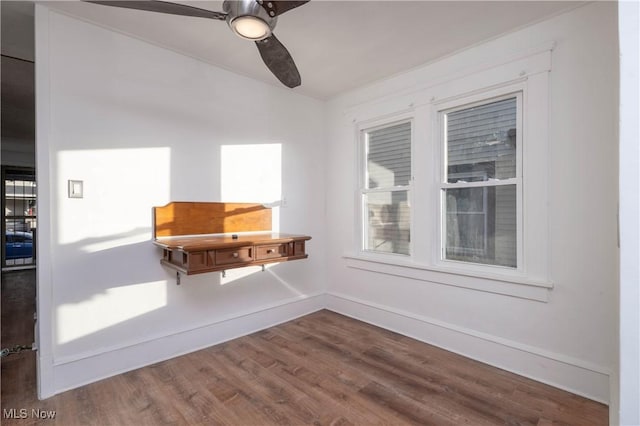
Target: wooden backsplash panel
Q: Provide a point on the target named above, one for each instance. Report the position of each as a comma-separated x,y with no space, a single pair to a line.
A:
194,218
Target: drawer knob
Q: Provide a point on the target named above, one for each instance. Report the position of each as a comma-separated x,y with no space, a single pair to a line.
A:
270,251
235,255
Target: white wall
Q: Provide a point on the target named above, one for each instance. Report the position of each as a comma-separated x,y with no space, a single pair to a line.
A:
569,340
629,19
142,126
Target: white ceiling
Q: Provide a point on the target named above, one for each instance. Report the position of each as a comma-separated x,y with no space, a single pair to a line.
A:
337,45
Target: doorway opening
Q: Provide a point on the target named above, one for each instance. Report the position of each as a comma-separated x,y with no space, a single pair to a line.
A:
19,223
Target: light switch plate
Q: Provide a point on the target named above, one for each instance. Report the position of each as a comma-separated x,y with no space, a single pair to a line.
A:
75,189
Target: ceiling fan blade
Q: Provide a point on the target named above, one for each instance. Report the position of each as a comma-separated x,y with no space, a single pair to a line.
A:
164,7
279,61
275,8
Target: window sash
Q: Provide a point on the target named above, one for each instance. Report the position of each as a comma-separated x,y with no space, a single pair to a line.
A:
402,213
444,185
480,184
461,105
490,242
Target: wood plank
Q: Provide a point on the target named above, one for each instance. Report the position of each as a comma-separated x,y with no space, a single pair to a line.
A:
334,380
324,407
488,399
200,218
411,388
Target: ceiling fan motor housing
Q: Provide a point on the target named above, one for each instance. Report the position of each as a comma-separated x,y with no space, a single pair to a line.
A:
246,10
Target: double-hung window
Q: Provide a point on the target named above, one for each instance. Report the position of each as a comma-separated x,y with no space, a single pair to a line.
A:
452,181
385,188
481,182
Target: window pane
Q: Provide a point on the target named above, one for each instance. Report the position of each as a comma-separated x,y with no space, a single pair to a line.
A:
389,156
20,218
481,142
388,217
481,225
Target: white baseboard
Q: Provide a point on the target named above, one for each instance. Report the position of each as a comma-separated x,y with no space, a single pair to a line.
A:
79,371
561,371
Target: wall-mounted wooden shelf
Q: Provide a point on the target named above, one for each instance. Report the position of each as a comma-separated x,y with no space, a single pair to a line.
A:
207,237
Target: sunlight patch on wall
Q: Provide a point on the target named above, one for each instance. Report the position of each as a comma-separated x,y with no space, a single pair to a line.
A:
113,306
252,174
120,187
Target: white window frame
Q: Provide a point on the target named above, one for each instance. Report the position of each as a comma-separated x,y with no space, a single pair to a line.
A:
363,129
458,104
525,71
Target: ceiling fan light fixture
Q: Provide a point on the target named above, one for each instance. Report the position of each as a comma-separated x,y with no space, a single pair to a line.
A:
250,27
249,19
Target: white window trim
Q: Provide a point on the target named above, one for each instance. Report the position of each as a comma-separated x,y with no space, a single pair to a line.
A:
527,72
362,129
515,286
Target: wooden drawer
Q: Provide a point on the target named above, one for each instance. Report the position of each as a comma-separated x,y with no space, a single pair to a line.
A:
271,251
197,260
233,256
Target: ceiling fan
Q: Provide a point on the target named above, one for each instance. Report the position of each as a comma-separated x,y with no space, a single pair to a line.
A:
249,19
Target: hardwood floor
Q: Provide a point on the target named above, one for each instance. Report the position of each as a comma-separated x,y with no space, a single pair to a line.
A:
321,369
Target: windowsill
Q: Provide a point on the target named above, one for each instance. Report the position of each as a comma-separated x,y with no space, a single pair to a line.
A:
505,284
